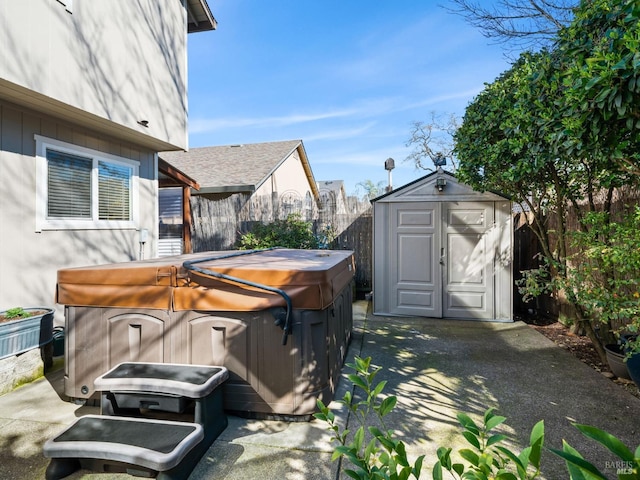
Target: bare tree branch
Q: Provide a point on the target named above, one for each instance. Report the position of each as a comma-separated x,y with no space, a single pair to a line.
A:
521,23
432,141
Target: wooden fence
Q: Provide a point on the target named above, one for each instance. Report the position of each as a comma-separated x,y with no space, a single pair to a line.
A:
527,251
219,220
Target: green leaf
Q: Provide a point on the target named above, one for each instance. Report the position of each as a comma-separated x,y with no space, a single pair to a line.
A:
387,405
506,476
444,457
493,439
493,422
536,440
472,439
613,444
356,380
468,424
621,65
371,448
353,474
578,461
470,456
575,473
591,83
417,466
436,472
358,438
378,389
513,457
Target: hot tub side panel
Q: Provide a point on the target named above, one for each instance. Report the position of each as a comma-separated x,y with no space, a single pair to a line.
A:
97,339
265,376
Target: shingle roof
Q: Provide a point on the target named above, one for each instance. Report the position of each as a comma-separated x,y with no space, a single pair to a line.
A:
232,167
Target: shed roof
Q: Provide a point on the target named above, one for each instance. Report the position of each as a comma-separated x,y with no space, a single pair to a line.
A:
425,189
237,168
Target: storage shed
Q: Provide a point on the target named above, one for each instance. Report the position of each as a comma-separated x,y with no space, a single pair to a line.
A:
442,250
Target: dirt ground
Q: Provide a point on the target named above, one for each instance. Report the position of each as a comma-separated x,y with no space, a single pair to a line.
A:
582,348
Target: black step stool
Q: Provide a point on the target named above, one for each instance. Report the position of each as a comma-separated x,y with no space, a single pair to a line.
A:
139,447
147,447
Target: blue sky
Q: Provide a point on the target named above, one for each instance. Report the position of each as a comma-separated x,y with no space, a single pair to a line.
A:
347,77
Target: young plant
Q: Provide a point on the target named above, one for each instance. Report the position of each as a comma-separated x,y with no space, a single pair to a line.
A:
627,466
16,312
372,450
488,459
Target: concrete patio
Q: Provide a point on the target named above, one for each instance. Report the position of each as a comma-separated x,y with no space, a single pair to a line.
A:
437,368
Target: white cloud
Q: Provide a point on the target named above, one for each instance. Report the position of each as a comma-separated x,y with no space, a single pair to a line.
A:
204,125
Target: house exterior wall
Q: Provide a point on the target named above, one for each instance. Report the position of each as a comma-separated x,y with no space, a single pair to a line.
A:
84,75
287,182
111,64
30,258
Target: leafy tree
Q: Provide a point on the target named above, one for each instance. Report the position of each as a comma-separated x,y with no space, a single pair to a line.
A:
602,82
604,276
557,129
371,190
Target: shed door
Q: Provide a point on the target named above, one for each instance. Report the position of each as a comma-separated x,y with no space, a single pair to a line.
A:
468,260
416,285
440,261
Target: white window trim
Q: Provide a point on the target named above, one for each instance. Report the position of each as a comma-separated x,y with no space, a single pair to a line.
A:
43,223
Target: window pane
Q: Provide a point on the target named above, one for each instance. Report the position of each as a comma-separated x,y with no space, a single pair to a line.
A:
170,200
68,185
114,191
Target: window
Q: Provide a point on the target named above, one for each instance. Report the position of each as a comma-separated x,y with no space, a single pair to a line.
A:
80,188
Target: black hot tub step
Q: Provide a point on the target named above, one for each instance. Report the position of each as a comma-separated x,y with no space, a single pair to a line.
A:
141,447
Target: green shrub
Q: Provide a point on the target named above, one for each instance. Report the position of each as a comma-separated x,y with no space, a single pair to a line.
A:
292,232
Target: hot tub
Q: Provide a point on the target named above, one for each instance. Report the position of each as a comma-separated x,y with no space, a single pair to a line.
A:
279,319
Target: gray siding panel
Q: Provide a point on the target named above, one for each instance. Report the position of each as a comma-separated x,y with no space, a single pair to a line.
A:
29,260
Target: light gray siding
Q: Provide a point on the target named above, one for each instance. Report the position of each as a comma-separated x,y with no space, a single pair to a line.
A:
107,64
30,259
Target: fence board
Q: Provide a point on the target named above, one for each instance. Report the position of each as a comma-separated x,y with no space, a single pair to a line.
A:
219,220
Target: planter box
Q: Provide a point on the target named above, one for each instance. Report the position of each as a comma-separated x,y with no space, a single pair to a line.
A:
21,335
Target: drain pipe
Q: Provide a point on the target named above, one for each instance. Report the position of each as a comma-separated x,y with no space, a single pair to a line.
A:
189,265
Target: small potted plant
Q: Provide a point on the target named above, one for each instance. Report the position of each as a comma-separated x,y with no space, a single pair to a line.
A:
22,329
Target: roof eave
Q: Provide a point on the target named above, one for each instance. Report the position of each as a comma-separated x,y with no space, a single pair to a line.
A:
200,18
228,189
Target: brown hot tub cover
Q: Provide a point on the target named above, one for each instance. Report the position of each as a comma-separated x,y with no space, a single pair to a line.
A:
311,278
